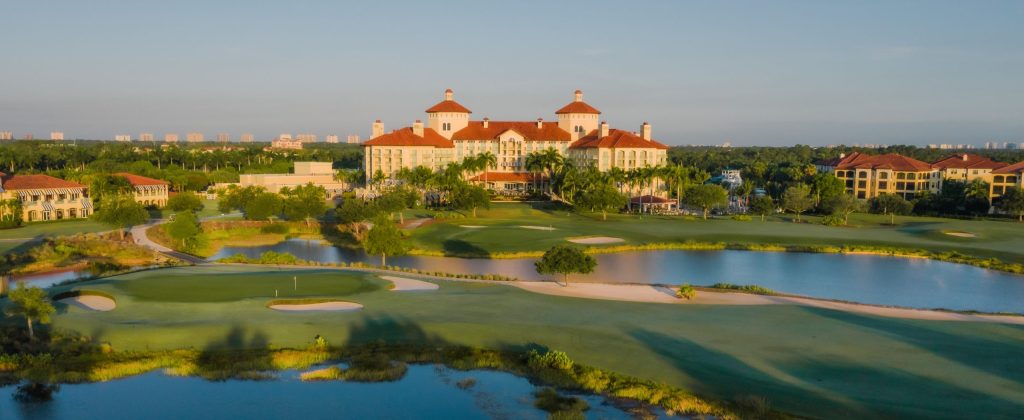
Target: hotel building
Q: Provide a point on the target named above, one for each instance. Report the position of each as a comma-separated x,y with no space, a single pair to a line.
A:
44,197
867,176
1002,179
451,136
148,191
966,167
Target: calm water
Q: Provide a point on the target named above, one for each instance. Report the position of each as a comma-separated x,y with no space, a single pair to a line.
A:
50,279
426,392
872,279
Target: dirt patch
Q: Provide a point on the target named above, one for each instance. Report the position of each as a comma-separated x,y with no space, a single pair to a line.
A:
596,240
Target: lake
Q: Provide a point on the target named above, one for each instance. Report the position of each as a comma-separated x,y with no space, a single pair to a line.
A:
880,280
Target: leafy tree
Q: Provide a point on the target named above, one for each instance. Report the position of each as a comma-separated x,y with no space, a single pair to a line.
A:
353,211
706,196
237,198
976,197
797,199
121,213
1012,202
395,201
185,201
762,205
304,202
826,186
470,197
30,303
565,260
10,213
265,205
108,187
185,229
603,198
842,205
384,239
890,204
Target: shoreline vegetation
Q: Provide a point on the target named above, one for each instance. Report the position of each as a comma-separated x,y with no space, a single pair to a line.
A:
74,362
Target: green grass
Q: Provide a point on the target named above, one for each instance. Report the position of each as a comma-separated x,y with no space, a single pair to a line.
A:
502,234
20,238
209,210
807,361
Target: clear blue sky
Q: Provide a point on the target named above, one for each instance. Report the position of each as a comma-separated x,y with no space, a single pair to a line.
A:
705,72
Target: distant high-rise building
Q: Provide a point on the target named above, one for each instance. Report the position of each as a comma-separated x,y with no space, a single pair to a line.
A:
284,136
245,138
306,138
331,138
171,138
194,137
6,135
146,137
286,144
29,136
123,137
223,137
56,135
353,139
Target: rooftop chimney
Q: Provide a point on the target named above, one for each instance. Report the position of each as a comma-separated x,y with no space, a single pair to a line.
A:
540,123
448,94
487,122
579,95
645,131
842,155
965,157
378,129
604,129
417,128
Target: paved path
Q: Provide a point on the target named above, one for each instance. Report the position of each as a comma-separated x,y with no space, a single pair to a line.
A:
139,234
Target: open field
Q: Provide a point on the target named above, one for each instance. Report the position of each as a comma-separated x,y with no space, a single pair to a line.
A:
21,238
502,232
811,361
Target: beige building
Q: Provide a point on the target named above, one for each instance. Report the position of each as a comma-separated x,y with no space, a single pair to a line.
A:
146,137
451,136
171,138
867,176
966,167
1003,179
245,138
223,137
286,144
194,137
44,197
6,135
56,135
123,137
352,139
306,138
319,173
148,191
331,138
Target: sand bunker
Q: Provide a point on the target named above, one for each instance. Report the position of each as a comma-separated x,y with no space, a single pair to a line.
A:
472,226
537,227
961,234
318,307
90,302
621,292
596,240
403,284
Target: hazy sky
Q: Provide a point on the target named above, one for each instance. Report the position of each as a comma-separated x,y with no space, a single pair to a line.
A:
701,72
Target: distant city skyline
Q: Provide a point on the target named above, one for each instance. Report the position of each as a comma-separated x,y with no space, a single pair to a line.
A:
746,73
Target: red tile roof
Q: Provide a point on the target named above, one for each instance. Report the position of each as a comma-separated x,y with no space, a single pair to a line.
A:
967,161
138,180
1010,169
449,106
37,182
892,161
615,139
577,107
405,137
549,131
510,177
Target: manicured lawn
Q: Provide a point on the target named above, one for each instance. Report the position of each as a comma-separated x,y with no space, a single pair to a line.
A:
807,361
209,210
16,240
502,232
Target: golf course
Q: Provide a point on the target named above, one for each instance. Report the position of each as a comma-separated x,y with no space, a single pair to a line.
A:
806,361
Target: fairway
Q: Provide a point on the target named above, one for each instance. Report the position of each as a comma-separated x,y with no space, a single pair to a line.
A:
500,230
807,361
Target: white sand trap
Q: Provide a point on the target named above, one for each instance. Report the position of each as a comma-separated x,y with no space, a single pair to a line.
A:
91,302
472,226
596,240
318,307
961,234
403,284
537,227
622,292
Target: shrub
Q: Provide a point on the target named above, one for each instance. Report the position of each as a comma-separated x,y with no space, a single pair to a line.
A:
552,359
686,292
275,228
747,288
833,220
741,218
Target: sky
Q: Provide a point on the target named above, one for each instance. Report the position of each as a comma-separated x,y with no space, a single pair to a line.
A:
701,72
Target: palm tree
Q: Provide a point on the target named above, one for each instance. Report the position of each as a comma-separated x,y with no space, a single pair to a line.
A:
486,160
534,164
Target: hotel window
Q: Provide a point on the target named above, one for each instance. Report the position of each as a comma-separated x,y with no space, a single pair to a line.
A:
1011,179
862,175
883,185
862,184
883,175
997,178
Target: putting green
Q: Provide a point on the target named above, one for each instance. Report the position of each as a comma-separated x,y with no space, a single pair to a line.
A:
808,361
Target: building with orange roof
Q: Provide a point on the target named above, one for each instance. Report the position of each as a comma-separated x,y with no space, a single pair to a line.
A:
1002,179
148,191
44,197
449,135
867,176
966,167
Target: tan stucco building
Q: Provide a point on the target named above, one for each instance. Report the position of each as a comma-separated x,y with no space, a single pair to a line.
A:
318,173
1003,179
44,197
966,167
148,191
867,176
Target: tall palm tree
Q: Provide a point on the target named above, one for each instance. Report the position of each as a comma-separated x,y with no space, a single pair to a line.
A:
534,164
486,160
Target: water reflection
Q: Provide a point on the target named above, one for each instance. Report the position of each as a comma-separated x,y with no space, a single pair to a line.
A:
880,280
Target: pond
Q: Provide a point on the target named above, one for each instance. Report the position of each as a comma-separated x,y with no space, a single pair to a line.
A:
909,282
426,391
45,280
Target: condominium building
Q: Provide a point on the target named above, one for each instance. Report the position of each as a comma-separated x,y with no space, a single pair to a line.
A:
1002,179
352,139
245,138
148,191
223,137
280,143
318,173
123,137
450,136
194,137
867,176
306,138
56,135
29,136
44,197
146,137
6,135
966,167
171,138
331,138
